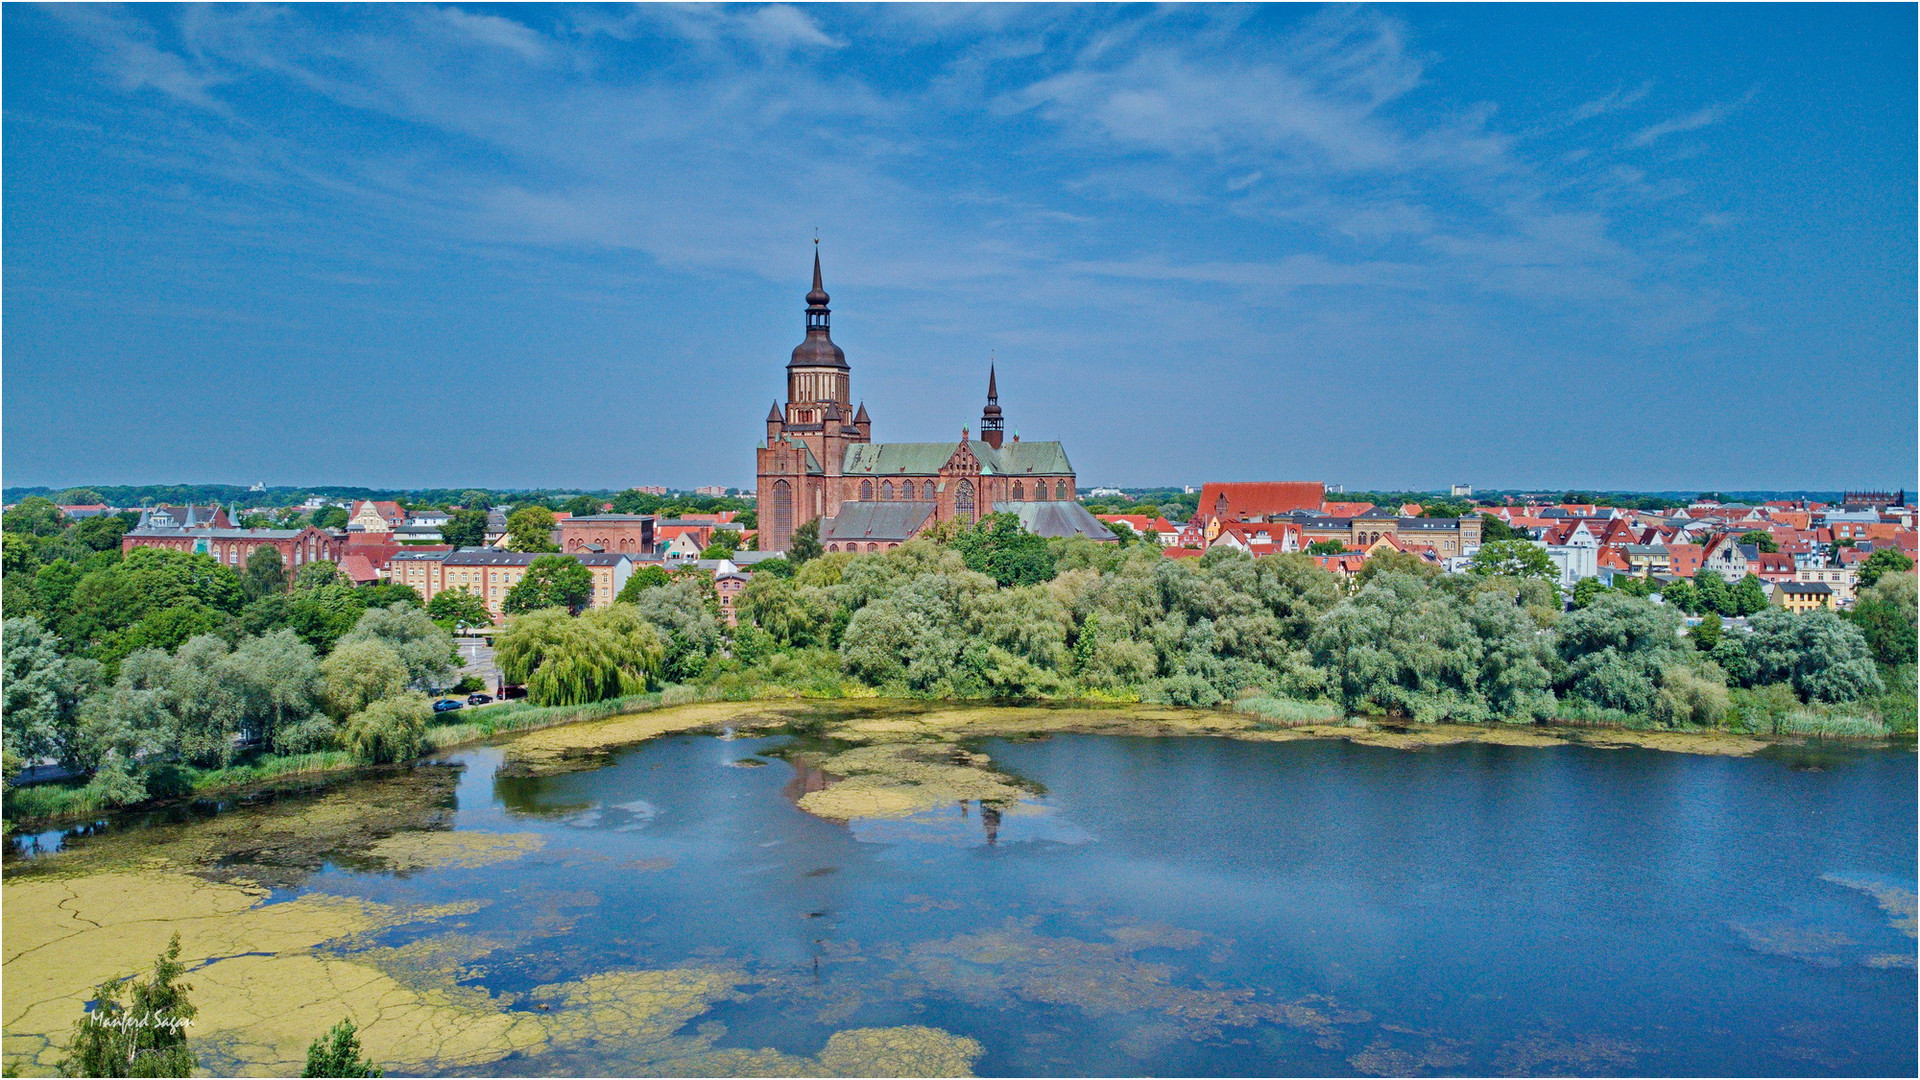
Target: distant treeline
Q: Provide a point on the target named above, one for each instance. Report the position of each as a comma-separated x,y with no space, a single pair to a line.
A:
227,494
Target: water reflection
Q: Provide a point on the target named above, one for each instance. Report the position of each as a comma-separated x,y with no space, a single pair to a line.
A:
1116,905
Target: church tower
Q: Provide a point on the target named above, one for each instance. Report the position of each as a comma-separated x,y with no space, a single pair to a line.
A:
817,377
806,449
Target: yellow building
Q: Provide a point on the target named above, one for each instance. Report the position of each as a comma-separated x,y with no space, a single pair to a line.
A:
490,574
1800,596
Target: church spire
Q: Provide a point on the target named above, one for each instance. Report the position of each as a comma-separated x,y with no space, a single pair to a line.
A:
992,423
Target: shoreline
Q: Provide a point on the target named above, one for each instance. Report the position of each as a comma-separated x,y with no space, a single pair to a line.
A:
1094,717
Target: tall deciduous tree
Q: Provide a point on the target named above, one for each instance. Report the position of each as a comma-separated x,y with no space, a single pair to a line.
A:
266,574
1000,548
530,528
422,645
1513,558
1882,562
358,674
457,608
805,543
1825,657
465,528
551,581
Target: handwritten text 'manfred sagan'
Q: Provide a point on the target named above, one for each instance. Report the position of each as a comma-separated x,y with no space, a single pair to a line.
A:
129,1021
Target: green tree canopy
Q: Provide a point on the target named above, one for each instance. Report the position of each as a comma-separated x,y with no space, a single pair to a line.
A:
101,533
1882,562
530,528
41,694
724,543
647,577
1493,528
144,1037
551,581
1823,656
999,547
360,673
459,608
389,729
1759,538
337,1053
266,574
465,528
1886,616
1513,558
421,644
34,515
1326,547
568,660
330,517
805,544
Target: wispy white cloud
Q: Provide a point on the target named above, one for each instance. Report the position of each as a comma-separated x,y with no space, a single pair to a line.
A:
1613,101
1702,117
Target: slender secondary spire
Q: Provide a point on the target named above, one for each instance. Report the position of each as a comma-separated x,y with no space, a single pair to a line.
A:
992,422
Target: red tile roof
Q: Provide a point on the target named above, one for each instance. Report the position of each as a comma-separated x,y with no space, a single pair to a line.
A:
1345,509
1263,499
358,569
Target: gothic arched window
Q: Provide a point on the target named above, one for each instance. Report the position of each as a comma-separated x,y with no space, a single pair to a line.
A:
782,510
963,496
927,490
886,490
1060,491
866,491
1018,494
873,547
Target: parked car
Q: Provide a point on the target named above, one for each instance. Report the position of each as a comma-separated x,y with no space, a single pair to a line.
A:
446,705
479,699
508,693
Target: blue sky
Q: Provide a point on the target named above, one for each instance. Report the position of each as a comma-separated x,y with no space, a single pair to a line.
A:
1608,246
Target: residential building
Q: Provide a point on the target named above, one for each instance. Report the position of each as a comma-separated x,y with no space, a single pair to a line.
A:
1724,556
1574,561
1802,596
728,581
490,574
1838,579
374,516
1447,536
711,491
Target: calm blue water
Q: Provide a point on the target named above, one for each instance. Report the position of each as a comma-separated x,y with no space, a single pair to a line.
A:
1213,907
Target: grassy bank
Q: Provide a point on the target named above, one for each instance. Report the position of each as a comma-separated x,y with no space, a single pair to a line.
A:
57,803
62,802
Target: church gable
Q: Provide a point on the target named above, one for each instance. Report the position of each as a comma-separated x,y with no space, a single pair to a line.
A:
962,460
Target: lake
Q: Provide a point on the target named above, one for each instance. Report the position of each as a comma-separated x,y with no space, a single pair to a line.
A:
1164,905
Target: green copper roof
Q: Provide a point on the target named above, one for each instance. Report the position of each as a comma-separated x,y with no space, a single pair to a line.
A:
926,459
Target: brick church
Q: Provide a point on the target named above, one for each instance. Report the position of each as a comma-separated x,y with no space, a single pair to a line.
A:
820,462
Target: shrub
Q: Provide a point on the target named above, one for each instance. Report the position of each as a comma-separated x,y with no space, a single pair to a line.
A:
389,730
1689,698
309,736
1289,713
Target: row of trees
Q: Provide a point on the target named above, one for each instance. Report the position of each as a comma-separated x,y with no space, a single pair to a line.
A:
996,612
210,703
